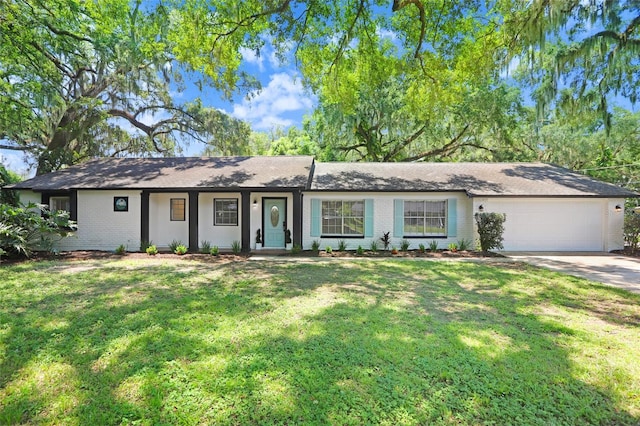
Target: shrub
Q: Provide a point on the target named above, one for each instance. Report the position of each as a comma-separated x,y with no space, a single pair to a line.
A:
236,247
490,230
214,251
360,250
404,245
464,245
173,245
315,246
374,246
386,240
8,196
342,245
632,231
453,247
121,250
422,248
181,249
28,227
144,245
296,249
205,246
433,245
152,250
328,250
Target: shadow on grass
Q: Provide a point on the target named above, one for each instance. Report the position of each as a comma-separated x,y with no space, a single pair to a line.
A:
342,343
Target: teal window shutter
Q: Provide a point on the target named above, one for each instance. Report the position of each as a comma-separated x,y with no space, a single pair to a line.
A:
398,218
316,213
368,217
452,217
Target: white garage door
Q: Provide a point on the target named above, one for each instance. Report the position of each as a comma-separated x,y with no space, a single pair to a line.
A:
551,225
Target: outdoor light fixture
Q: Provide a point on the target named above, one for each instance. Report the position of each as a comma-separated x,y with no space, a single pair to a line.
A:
480,208
618,208
255,203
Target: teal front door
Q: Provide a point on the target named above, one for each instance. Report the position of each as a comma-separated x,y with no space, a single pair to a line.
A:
274,218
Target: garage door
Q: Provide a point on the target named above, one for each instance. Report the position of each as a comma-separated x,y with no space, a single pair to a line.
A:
551,225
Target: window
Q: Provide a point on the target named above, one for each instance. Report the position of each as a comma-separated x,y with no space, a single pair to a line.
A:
343,218
178,208
225,212
60,203
425,218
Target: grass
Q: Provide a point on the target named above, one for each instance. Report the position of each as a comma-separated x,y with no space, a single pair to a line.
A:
131,341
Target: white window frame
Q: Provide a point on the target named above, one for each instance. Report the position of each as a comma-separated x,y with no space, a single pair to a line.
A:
341,218
220,217
428,215
54,201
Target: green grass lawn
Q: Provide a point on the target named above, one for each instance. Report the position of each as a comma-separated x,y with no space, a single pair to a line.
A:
155,341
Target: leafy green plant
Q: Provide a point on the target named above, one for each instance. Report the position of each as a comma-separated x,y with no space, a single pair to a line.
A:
453,247
404,244
152,250
394,250
236,247
632,231
181,249
173,245
464,244
121,250
374,246
328,250
433,246
214,251
490,229
386,240
296,249
421,248
360,250
342,245
144,245
205,246
315,246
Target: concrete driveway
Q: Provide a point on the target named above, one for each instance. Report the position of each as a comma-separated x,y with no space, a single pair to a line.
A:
615,270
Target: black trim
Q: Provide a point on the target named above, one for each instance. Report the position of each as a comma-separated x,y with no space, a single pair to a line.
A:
430,237
345,237
144,217
193,221
246,220
297,218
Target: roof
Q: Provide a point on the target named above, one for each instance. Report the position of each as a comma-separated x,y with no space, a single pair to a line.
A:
178,173
301,172
475,179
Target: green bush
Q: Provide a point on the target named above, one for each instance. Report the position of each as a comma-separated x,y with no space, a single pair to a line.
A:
433,245
328,250
374,246
464,245
8,196
121,250
181,249
214,251
342,245
422,248
404,245
173,245
632,231
28,227
236,247
360,250
315,246
296,249
152,250
205,246
144,245
453,247
490,230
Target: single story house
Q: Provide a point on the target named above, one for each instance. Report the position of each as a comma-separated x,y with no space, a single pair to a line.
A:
277,202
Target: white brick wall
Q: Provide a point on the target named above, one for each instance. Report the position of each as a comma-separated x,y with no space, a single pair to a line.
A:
102,228
163,230
221,236
383,218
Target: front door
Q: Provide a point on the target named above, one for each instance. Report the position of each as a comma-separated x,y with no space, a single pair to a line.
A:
274,219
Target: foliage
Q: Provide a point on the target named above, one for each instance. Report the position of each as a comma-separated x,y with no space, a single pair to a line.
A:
214,251
328,250
315,246
121,250
173,245
152,250
181,249
374,246
296,249
433,246
632,231
405,244
464,244
394,250
342,245
386,240
453,247
422,248
236,247
490,229
205,246
366,342
360,250
144,245
30,227
8,196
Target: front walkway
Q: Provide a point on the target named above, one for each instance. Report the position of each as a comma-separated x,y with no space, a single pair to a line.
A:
607,268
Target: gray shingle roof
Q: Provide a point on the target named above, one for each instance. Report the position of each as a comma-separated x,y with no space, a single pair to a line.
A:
178,173
476,179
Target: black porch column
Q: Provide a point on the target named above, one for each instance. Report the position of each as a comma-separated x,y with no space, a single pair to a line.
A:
245,223
144,217
297,218
193,221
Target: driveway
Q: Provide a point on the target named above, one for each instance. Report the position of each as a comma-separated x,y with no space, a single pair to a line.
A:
612,269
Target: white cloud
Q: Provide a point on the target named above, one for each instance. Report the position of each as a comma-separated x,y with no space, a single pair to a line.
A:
250,56
269,107
15,162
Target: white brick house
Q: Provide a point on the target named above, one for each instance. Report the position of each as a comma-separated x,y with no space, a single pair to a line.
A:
295,200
